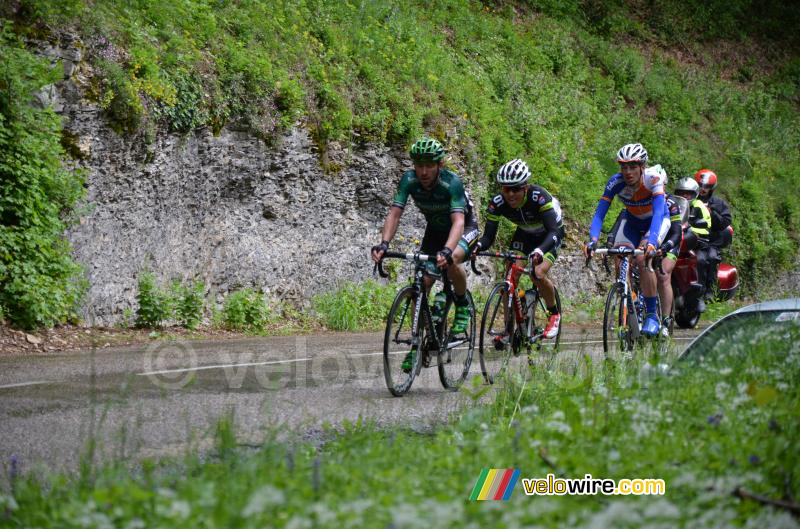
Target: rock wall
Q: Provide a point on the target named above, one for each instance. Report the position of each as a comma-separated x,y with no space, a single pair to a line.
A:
228,209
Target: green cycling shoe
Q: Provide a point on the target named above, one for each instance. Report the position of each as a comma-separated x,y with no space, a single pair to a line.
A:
408,361
461,319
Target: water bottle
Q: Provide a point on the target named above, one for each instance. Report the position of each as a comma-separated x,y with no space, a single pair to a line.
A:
438,306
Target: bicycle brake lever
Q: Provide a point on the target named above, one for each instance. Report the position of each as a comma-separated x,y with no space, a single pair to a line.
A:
472,264
379,267
605,264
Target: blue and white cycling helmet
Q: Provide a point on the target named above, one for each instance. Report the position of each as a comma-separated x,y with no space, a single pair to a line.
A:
632,152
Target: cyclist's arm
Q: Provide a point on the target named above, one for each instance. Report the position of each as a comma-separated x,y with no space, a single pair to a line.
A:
391,223
658,217
553,238
456,229
489,234
673,238
599,214
614,185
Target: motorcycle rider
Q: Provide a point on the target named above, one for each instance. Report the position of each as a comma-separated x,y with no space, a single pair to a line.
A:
696,236
720,231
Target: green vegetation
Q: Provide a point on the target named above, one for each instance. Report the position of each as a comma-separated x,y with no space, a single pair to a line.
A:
154,303
356,306
245,309
182,302
561,84
40,285
189,303
713,424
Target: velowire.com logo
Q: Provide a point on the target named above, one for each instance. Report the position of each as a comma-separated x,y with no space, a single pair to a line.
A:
495,484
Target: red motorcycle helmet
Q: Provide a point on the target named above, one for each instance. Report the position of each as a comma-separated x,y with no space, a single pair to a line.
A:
706,178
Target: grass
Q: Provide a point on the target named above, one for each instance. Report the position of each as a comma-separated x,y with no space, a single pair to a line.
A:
713,424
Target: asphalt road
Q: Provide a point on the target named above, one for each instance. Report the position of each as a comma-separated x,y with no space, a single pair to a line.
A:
160,399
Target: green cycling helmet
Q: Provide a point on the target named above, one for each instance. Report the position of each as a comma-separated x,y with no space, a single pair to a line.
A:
427,150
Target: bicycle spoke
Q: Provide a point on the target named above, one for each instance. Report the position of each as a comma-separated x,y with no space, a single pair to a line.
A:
455,360
400,365
497,334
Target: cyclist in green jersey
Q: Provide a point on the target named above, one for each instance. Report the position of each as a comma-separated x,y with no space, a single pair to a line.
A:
451,226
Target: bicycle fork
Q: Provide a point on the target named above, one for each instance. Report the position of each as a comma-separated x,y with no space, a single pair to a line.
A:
628,305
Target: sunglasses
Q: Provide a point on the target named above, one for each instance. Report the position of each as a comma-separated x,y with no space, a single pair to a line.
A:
513,189
708,187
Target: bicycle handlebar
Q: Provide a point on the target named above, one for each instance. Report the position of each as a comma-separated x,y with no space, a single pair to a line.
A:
509,256
622,250
625,251
400,255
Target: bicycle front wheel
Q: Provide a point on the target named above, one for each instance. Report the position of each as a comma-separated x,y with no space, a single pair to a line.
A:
454,361
401,344
496,343
616,334
537,320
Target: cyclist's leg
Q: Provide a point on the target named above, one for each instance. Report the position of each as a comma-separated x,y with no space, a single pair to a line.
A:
649,282
456,273
627,235
665,283
458,276
432,242
612,233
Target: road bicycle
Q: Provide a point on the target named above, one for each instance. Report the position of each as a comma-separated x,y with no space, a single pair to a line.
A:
413,328
623,317
512,319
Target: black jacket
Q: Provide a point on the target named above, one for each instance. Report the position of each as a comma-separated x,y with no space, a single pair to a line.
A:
720,216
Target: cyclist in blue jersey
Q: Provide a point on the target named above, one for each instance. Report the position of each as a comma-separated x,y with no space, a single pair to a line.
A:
645,221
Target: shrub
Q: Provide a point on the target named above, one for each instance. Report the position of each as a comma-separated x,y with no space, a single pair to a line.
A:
355,306
245,310
189,303
155,305
40,284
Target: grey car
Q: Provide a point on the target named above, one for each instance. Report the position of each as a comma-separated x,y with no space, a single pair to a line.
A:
759,319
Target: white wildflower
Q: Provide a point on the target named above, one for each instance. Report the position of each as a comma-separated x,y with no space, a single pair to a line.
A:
263,498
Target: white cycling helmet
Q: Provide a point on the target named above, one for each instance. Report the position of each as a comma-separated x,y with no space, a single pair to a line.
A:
632,152
688,185
513,173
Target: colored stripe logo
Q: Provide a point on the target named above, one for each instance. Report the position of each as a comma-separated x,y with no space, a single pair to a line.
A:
495,484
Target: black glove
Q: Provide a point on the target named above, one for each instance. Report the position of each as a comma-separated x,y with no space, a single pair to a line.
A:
447,253
382,247
667,247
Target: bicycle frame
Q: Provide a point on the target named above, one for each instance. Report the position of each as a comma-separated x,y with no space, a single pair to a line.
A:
512,276
628,294
421,307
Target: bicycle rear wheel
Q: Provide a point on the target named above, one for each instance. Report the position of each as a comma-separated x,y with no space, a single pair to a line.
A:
616,334
496,343
537,320
455,360
399,341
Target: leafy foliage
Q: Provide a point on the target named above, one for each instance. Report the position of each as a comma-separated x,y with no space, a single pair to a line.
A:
561,84
40,285
356,306
246,309
155,304
189,303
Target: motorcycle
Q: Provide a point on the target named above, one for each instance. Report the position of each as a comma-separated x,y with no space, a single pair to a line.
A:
687,292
